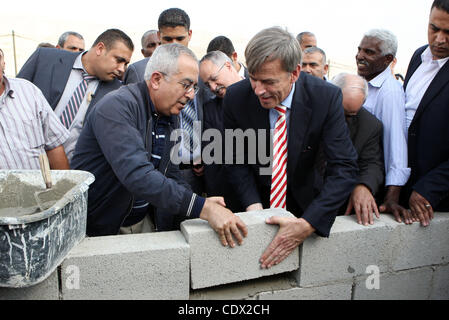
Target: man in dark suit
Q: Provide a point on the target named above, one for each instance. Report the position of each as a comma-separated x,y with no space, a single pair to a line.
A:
427,99
304,112
224,44
366,135
218,73
136,71
59,74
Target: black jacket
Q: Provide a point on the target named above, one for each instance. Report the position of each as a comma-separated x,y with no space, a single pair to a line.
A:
316,118
428,140
115,145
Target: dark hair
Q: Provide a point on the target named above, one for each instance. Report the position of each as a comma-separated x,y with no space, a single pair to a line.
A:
45,45
223,44
111,36
441,4
173,17
65,35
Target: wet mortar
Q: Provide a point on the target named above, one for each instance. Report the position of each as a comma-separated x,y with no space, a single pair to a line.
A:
17,198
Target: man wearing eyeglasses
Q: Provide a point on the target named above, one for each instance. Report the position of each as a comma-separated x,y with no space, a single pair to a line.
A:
218,73
126,144
366,135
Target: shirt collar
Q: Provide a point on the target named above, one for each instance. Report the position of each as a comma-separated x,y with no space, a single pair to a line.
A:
288,101
380,79
427,57
78,64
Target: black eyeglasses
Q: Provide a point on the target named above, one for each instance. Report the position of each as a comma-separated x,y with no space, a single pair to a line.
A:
188,87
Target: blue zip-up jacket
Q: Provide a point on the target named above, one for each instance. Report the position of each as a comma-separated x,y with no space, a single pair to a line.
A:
115,146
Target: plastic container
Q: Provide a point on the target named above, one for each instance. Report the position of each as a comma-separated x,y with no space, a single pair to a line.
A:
32,245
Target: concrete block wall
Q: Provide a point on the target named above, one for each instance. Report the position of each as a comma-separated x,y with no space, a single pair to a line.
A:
387,260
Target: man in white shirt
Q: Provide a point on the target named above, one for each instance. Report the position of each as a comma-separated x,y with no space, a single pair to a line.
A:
386,101
28,126
427,109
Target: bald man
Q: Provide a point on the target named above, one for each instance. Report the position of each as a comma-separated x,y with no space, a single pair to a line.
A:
366,135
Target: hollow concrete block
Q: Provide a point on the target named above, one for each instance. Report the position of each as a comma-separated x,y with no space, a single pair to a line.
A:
412,284
348,252
138,266
336,291
212,264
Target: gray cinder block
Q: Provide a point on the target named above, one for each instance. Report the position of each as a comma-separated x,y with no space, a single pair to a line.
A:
338,291
440,283
416,246
404,285
348,252
138,266
213,264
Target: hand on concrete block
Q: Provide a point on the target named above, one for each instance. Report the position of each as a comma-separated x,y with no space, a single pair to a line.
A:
420,208
223,221
364,205
291,234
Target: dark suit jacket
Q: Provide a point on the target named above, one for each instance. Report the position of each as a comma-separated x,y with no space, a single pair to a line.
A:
428,140
49,69
316,117
366,135
215,180
136,71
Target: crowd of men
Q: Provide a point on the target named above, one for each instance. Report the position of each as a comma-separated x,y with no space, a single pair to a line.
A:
362,144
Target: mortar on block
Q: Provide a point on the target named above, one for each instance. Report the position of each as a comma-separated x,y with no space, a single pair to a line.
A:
33,242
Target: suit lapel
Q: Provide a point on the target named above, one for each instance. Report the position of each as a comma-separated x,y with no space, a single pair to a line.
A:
60,75
300,114
437,84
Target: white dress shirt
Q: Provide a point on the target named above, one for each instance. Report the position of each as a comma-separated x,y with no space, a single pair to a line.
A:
419,82
386,100
74,80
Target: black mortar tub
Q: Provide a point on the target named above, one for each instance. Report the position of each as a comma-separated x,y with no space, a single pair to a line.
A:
33,242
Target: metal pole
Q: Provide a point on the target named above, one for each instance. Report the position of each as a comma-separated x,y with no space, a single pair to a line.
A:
14,50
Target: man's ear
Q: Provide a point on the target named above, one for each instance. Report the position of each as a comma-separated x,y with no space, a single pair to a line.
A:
100,48
389,58
295,74
155,80
190,35
234,56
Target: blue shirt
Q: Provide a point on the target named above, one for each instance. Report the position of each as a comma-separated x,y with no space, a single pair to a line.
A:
274,115
386,100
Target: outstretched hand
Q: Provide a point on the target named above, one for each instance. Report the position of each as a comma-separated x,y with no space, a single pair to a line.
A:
291,234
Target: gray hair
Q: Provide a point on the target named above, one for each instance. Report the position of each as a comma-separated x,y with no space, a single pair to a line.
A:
145,35
165,59
311,50
340,81
272,44
302,34
389,42
218,58
65,35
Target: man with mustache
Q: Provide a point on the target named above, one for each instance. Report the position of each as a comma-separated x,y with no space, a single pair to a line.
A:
73,82
126,145
386,101
217,72
427,113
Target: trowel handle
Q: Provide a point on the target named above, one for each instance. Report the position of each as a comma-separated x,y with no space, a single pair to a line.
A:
45,169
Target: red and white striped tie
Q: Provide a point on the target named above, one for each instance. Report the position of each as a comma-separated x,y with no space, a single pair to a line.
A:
278,196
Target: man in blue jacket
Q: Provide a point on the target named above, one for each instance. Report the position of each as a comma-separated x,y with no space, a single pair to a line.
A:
126,144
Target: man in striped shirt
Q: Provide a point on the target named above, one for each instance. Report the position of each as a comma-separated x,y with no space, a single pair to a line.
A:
28,126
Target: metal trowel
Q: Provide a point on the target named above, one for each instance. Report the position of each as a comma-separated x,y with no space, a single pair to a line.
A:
45,199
